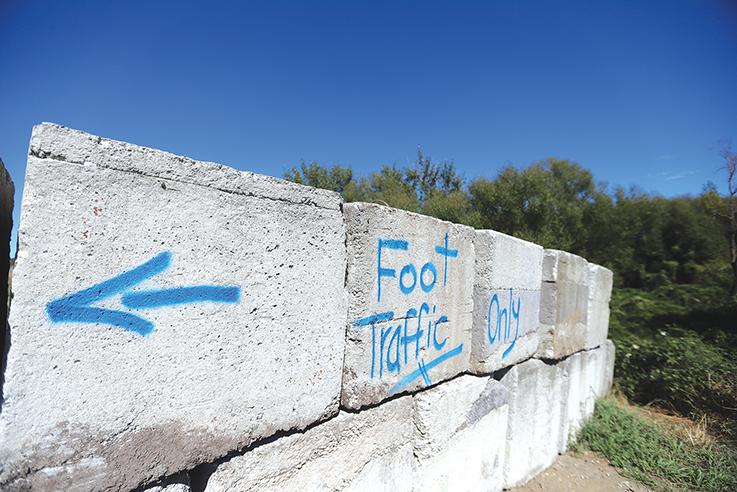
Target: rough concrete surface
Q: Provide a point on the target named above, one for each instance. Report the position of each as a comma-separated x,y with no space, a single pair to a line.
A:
562,397
554,377
460,435
178,483
124,383
589,377
59,143
409,283
609,366
594,364
369,450
563,305
534,424
574,416
175,487
506,299
600,293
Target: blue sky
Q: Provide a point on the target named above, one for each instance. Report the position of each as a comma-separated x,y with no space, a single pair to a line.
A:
639,92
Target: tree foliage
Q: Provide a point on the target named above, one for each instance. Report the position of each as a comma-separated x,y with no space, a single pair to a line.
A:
647,240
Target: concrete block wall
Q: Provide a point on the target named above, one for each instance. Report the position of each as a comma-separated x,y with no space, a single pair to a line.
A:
600,281
180,325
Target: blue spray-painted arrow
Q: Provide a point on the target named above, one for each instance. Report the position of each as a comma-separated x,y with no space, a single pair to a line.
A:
76,307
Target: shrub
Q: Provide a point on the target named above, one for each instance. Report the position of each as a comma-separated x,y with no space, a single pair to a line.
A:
677,347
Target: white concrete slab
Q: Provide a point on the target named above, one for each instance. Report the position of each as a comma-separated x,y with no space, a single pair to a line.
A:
535,419
506,301
563,305
409,282
600,291
369,450
460,436
163,300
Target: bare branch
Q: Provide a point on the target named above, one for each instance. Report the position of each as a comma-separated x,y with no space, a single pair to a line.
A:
730,165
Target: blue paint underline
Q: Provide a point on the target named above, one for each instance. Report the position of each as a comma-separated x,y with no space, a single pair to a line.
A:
421,372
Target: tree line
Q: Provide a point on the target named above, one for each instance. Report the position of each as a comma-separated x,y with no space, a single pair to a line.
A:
646,239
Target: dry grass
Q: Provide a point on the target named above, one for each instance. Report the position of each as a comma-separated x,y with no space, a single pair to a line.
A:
696,432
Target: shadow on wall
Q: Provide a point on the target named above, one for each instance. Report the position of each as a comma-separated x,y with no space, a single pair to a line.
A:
6,224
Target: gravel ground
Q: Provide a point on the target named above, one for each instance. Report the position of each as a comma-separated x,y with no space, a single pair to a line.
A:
581,472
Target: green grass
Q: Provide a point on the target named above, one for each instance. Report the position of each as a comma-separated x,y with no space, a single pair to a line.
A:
651,454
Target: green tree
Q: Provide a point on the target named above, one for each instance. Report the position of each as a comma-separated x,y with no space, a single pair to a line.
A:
454,207
725,210
730,166
429,178
388,187
336,178
543,203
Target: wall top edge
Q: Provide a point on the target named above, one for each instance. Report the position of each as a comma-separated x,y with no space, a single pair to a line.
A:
492,232
377,207
56,142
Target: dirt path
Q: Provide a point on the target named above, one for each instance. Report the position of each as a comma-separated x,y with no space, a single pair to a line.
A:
579,473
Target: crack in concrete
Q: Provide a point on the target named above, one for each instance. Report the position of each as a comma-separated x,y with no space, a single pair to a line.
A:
44,155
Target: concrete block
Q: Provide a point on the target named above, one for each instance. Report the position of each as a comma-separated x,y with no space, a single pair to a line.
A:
409,282
573,418
460,436
609,367
178,313
369,450
552,401
175,487
563,305
506,301
600,292
178,483
601,280
604,365
562,385
586,382
593,369
537,394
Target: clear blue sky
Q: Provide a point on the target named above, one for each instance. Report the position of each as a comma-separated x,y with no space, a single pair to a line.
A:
638,92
